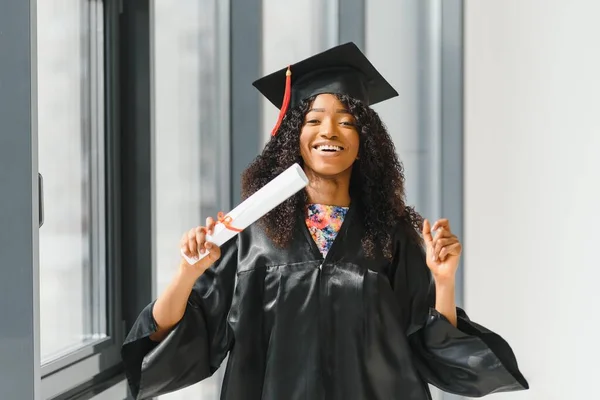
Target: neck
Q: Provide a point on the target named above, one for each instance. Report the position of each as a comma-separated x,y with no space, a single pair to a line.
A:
333,191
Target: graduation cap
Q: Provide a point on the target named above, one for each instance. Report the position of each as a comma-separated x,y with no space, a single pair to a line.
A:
343,69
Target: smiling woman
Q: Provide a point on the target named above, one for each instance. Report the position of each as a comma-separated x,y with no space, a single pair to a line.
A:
331,295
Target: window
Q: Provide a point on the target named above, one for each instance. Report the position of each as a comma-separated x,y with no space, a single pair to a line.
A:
71,161
189,133
77,327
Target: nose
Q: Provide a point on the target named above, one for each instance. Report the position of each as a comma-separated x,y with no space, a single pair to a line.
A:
328,129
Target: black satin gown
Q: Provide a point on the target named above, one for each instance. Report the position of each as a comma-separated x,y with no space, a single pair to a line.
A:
297,326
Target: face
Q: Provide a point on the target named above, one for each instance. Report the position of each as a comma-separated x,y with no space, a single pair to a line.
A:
329,138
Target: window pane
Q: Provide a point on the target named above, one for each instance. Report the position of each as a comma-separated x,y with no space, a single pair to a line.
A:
71,151
187,142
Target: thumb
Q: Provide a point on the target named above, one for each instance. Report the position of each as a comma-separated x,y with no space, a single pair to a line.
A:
214,251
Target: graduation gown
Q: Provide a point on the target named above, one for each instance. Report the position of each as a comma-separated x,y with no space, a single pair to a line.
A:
296,325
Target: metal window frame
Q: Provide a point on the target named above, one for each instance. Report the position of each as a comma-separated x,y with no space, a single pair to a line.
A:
224,96
130,48
81,370
351,22
450,138
93,99
246,105
136,158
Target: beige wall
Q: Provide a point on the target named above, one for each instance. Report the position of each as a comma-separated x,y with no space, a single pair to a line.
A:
532,186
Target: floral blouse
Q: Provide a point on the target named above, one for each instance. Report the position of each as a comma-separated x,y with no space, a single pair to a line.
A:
324,222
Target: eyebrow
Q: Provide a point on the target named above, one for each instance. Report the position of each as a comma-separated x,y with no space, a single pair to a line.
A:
339,111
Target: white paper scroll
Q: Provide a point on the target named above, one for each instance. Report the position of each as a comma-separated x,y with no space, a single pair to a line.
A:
285,185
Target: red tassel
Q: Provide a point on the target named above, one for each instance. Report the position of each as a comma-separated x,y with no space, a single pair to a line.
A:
286,100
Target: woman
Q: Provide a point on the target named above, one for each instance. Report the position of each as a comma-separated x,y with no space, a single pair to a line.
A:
329,296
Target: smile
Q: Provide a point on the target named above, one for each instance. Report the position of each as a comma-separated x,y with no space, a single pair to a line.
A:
328,148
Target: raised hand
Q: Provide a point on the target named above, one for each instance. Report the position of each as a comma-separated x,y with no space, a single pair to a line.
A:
443,250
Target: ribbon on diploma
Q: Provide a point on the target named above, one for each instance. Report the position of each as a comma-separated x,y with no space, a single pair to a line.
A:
226,220
282,187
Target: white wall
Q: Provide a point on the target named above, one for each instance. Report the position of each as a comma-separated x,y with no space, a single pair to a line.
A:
532,187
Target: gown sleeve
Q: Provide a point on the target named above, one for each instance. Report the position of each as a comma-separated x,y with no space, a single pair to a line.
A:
196,346
468,360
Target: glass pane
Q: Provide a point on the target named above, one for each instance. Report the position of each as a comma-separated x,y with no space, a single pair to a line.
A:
70,126
187,142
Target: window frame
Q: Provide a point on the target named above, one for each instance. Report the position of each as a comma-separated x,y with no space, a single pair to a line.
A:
94,281
78,371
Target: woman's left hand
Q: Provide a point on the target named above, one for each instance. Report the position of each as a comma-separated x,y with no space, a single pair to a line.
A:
443,251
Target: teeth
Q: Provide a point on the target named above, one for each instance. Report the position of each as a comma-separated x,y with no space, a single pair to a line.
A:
329,148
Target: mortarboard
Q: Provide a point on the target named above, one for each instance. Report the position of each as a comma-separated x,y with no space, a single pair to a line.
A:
343,69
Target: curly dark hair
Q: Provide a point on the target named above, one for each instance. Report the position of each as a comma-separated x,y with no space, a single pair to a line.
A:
376,186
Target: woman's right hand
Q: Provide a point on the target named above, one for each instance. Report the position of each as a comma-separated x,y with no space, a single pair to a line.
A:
194,243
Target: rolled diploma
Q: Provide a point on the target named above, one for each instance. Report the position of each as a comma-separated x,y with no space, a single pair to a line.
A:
285,185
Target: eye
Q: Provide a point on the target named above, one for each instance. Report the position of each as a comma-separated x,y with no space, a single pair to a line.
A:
312,121
348,123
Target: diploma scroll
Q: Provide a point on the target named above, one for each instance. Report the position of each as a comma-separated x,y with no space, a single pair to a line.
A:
285,185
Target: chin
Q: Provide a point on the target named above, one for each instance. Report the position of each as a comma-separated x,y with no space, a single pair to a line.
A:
331,171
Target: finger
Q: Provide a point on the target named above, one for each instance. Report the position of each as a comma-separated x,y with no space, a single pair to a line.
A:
438,235
184,245
446,244
443,232
210,225
192,243
453,249
183,241
200,238
438,244
441,223
441,243
427,232
214,251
